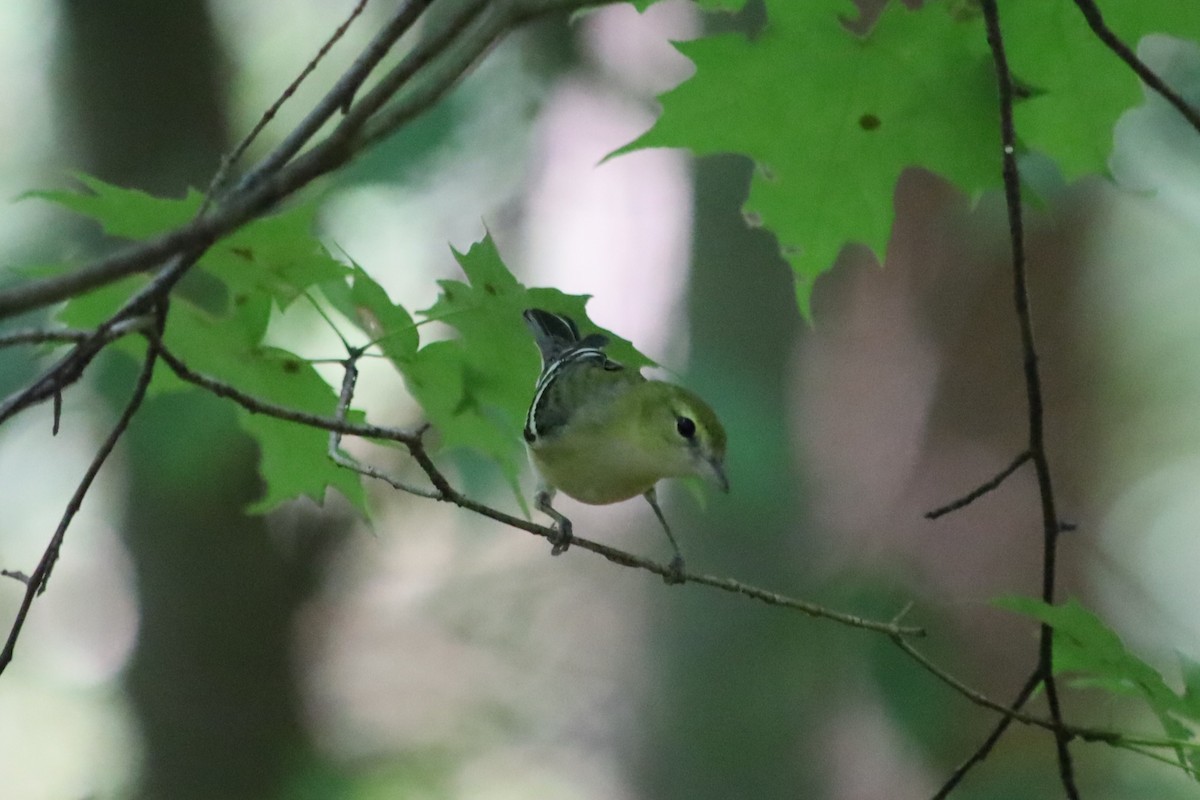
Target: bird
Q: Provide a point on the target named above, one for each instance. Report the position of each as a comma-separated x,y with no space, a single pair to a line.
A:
601,433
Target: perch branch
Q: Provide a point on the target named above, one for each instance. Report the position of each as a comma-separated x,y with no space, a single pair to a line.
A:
444,491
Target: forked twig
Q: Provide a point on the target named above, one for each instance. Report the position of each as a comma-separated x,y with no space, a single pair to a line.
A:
349,380
1051,526
36,583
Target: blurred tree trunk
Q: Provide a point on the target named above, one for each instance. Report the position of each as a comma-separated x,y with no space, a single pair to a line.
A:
729,688
211,679
736,681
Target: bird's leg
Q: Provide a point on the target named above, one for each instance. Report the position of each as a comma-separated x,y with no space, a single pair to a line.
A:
562,525
675,569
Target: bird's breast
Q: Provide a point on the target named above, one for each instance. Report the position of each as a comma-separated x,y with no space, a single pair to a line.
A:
595,470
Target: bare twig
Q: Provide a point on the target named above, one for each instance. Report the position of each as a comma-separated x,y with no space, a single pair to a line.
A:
68,335
978,492
440,51
43,336
1033,388
69,368
1095,21
340,95
1015,714
218,181
36,583
349,379
50,384
258,406
985,749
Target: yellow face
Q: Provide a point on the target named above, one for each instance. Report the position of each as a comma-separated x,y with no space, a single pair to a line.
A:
689,436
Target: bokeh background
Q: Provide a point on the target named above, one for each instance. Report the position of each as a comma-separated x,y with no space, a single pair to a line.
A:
188,650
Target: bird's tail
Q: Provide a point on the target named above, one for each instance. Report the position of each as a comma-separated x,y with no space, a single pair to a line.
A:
556,334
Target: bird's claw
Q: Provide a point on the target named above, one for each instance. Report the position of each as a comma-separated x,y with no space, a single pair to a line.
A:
562,538
675,571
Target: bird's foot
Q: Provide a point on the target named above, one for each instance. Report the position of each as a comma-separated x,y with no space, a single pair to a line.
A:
562,537
675,571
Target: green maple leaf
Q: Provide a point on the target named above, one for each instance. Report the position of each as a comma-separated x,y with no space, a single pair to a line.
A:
390,325
294,458
1081,87
1095,655
126,213
276,256
832,119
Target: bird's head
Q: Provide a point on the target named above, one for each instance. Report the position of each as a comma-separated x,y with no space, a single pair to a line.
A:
683,433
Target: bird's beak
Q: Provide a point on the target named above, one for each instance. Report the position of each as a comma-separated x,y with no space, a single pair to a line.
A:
716,473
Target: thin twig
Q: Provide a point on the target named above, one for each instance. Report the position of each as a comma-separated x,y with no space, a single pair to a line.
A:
440,50
627,559
43,336
36,583
1033,387
985,749
69,368
68,335
349,379
978,698
340,95
50,384
1095,21
258,406
990,486
218,182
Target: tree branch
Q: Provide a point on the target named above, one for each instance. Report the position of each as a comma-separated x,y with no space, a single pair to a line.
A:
1095,21
68,369
1057,727
1033,389
340,96
36,583
278,178
218,182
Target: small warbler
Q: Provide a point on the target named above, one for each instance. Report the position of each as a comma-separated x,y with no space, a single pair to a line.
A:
601,433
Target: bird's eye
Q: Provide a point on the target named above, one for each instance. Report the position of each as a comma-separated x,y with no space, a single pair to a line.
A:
685,426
